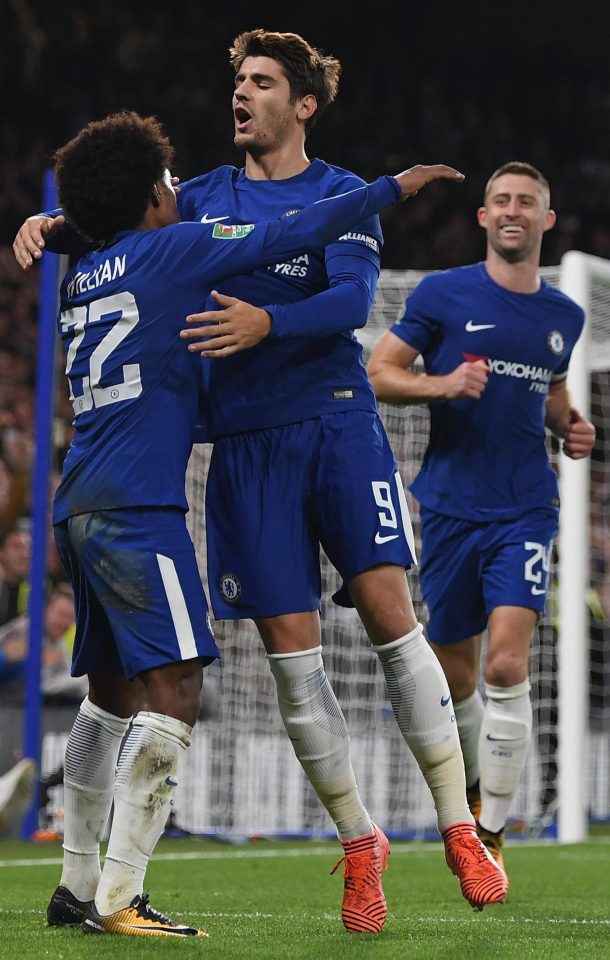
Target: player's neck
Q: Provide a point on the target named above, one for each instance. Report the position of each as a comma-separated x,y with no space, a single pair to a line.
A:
286,161
522,277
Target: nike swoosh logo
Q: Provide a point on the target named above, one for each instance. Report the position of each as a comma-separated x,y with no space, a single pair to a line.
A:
473,327
380,539
502,739
206,219
445,700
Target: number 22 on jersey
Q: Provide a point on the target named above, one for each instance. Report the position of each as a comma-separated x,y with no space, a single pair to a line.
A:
121,312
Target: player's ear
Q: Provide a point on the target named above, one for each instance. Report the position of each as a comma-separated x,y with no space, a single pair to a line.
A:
482,217
155,196
307,107
550,220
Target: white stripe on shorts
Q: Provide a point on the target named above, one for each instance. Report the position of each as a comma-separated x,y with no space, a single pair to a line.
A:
177,608
406,518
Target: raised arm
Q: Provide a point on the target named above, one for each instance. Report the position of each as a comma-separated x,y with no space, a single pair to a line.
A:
345,305
318,224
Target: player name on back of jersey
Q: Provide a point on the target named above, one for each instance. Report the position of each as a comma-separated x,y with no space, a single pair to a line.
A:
107,270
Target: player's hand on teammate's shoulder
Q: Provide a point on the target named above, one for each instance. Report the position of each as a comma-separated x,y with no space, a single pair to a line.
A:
412,180
30,239
580,437
238,325
467,380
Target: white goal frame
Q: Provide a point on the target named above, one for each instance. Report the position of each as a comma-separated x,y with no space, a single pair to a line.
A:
577,272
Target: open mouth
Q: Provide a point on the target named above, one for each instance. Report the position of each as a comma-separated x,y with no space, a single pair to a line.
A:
511,231
242,117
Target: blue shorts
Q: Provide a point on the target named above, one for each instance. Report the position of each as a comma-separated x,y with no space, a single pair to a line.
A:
138,594
469,569
274,497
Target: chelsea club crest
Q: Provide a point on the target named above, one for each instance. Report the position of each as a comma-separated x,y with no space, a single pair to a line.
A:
230,587
556,342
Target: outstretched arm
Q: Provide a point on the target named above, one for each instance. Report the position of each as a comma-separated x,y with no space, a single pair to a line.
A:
320,223
242,325
394,382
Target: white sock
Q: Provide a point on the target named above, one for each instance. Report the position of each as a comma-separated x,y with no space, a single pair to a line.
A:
89,770
503,745
145,784
469,716
420,699
316,726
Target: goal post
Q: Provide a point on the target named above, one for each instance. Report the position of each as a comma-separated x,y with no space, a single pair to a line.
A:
586,279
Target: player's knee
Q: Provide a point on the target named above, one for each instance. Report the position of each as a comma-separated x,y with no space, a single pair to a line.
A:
113,693
462,679
505,669
172,690
383,601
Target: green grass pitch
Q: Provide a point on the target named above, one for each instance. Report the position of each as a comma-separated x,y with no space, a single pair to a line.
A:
277,900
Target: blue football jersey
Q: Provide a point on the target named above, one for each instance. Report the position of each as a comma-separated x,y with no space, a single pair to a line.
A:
134,385
284,379
486,459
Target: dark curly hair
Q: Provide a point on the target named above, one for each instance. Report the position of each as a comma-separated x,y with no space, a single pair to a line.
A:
106,173
307,69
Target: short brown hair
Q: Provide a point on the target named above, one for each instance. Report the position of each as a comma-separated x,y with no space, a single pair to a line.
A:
106,173
521,169
307,69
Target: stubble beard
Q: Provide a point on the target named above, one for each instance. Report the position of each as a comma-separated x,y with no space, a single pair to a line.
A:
511,254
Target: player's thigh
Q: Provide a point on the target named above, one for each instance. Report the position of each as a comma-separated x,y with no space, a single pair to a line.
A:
142,567
94,650
359,504
263,553
517,560
450,577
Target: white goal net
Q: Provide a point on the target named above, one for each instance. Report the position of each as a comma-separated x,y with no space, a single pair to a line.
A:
241,777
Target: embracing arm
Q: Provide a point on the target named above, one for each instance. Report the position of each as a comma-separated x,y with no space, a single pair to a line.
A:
345,306
51,231
564,420
46,231
394,382
241,325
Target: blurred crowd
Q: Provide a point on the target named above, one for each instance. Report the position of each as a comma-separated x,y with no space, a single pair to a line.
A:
413,89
